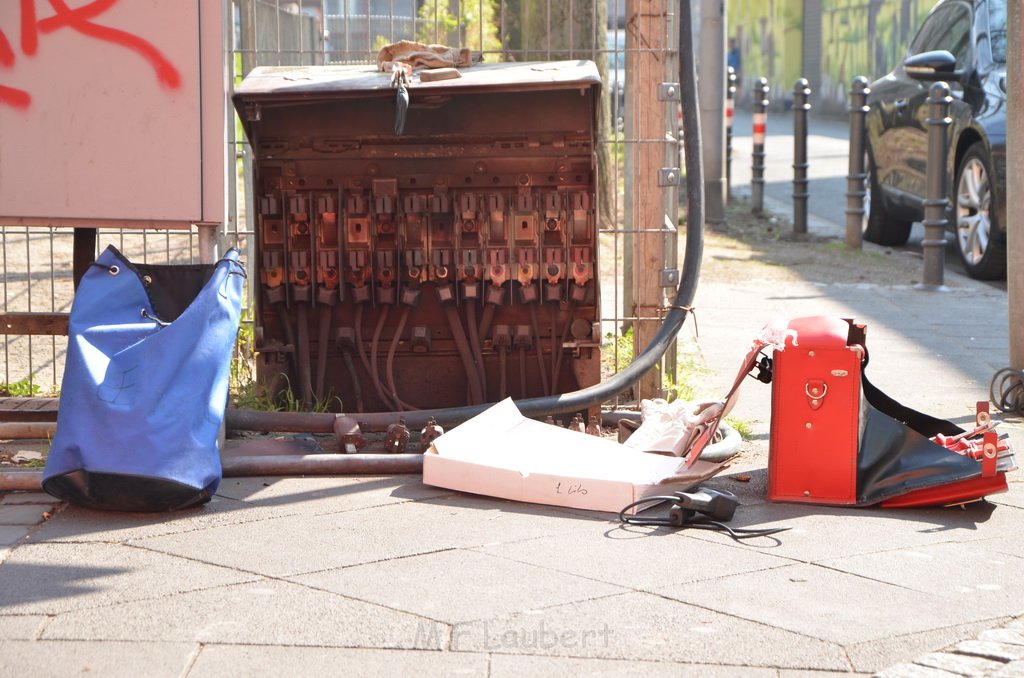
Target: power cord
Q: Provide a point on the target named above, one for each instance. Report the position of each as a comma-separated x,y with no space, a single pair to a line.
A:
703,509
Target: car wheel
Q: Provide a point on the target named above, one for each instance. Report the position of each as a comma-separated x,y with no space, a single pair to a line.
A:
879,226
981,243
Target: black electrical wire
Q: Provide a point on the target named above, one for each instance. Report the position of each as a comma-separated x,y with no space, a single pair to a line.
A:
555,348
1006,391
476,345
324,321
540,352
465,353
688,518
374,345
503,372
486,318
357,390
390,363
559,347
302,352
522,370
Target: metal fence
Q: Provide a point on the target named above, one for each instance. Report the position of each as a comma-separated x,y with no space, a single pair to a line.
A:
36,274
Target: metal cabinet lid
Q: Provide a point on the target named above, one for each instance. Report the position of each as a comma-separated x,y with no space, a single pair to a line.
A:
289,83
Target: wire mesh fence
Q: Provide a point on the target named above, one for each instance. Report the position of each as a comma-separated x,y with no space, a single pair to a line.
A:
37,262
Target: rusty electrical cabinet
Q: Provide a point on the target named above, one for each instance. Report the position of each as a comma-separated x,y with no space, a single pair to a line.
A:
449,261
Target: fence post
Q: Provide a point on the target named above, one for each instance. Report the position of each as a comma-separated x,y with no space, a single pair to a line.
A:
757,157
801,106
855,180
730,107
935,220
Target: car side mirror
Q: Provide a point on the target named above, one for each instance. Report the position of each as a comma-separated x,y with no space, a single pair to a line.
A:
932,66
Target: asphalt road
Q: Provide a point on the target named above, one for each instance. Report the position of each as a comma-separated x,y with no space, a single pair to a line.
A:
828,157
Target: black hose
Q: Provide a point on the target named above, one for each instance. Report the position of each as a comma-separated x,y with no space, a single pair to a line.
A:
680,308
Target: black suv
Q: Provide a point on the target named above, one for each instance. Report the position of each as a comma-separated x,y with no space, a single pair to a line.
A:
961,42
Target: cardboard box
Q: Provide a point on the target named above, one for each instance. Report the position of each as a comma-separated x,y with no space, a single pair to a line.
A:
501,453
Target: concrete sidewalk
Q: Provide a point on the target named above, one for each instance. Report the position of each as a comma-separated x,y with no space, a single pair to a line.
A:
384,576
371,576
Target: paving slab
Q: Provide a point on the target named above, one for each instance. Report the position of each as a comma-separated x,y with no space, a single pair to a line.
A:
513,666
642,626
239,501
961,665
458,586
78,524
908,670
1015,496
40,659
9,534
217,661
634,556
1011,670
21,626
879,654
790,673
820,533
13,498
304,544
823,603
22,514
967,575
1007,636
54,578
990,649
319,495
266,612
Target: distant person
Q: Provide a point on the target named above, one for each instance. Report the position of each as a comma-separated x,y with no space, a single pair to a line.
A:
735,61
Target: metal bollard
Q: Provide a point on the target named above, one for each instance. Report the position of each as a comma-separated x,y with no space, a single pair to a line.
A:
934,242
730,107
855,187
801,106
757,157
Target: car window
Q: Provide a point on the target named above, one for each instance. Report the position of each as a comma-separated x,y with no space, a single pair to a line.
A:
997,29
948,28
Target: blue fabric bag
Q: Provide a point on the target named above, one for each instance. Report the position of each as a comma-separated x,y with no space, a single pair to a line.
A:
145,384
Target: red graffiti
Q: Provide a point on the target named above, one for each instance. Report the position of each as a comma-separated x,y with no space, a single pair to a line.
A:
77,19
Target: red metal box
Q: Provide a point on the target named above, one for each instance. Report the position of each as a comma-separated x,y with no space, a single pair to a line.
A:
815,414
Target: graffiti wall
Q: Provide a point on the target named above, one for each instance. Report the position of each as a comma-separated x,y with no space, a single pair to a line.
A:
853,37
767,34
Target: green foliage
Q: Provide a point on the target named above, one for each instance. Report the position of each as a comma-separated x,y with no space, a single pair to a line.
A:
740,426
617,351
689,370
243,362
19,389
476,28
250,393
